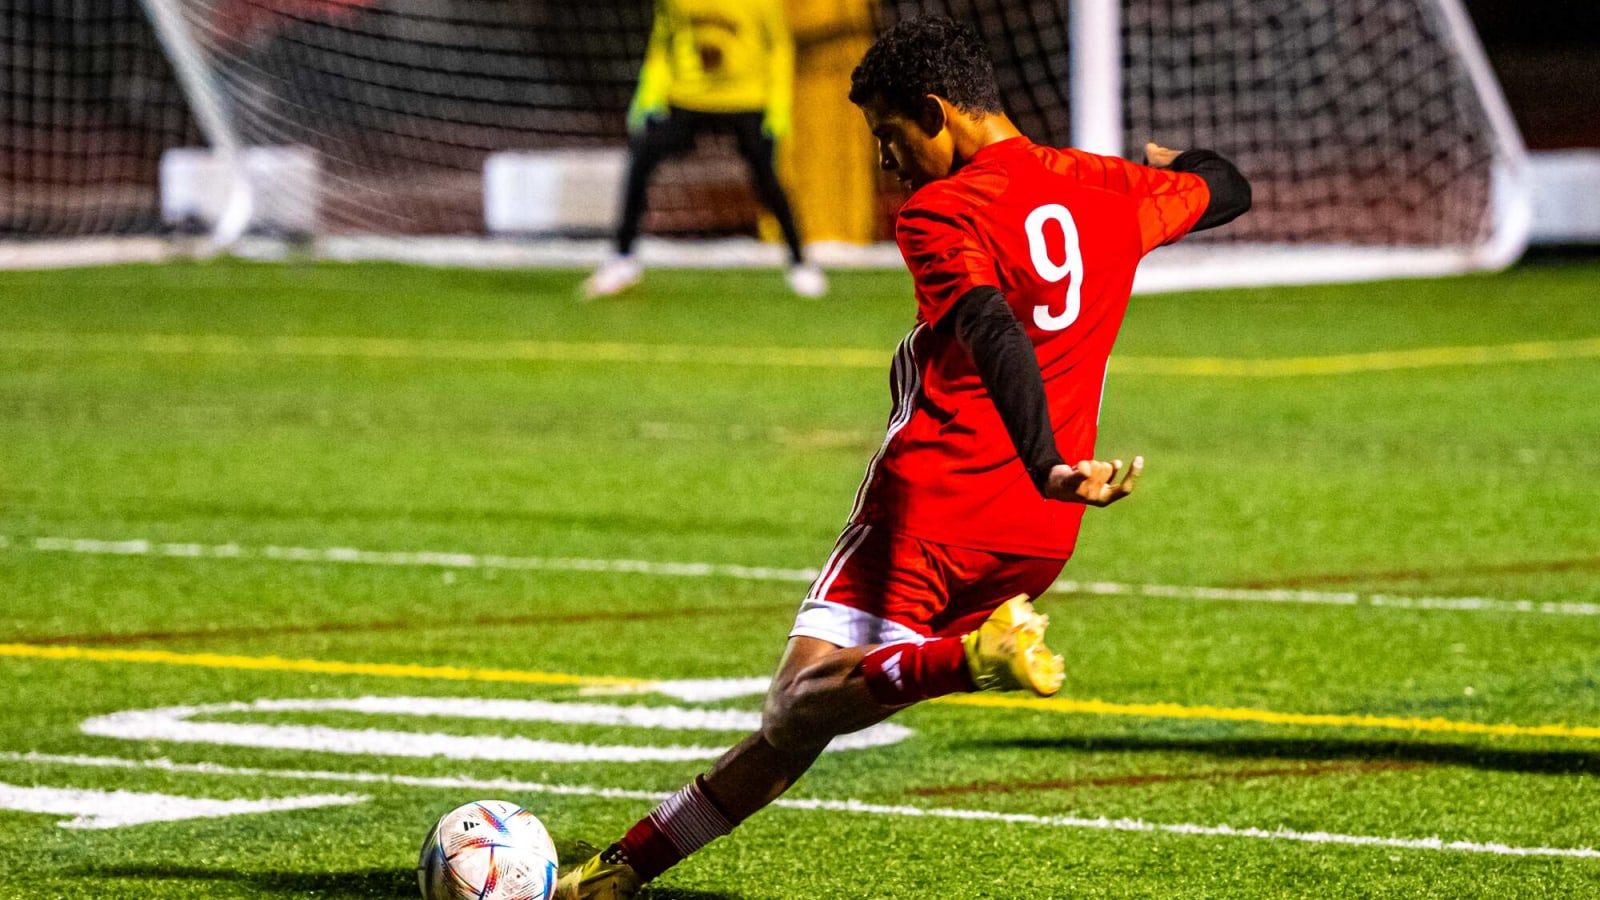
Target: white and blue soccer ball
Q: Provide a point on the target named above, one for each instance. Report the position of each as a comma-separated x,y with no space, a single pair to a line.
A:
488,850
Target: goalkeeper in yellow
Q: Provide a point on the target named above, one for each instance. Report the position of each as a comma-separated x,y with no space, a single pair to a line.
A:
719,66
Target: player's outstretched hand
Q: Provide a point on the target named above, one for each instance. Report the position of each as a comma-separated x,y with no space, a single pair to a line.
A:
1159,157
1093,482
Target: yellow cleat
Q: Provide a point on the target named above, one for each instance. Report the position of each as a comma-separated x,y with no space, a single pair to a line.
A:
1007,652
597,879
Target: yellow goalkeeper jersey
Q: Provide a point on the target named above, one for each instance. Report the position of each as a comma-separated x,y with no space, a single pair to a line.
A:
719,56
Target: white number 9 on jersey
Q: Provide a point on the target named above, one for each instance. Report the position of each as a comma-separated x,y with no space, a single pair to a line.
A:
1049,270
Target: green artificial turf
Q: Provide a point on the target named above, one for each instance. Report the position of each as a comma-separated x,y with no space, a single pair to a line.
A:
1468,480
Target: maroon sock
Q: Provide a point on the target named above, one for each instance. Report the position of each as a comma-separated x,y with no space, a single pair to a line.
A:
685,822
898,674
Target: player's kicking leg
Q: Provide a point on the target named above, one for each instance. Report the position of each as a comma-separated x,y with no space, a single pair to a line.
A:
822,690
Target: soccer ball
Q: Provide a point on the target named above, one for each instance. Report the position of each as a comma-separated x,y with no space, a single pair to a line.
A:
488,850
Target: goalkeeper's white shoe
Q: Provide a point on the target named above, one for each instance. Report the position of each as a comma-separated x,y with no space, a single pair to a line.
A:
615,275
1007,652
806,280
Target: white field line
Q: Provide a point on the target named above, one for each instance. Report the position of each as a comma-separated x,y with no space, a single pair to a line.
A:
423,559
855,807
173,724
457,560
1329,598
117,809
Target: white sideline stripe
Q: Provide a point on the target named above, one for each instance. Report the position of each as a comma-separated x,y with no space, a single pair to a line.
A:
425,558
451,560
1329,598
844,806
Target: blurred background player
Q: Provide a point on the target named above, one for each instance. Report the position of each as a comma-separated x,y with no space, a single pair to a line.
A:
713,66
1023,259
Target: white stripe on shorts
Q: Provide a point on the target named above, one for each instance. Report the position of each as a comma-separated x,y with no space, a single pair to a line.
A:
905,382
846,626
849,541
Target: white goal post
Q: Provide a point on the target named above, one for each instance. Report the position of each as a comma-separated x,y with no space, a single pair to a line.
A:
1373,131
198,80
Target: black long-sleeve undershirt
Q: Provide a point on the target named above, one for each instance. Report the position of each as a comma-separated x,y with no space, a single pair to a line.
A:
984,325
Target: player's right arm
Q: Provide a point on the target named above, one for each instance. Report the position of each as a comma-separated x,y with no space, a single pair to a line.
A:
1093,482
959,295
983,324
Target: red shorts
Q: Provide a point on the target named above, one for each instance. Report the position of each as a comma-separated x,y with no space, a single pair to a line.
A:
881,587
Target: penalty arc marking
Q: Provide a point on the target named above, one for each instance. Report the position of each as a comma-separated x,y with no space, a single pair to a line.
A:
175,724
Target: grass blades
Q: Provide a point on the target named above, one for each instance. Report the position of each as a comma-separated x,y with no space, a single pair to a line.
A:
1288,657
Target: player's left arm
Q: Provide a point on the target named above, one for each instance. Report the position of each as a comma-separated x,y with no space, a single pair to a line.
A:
982,322
1228,189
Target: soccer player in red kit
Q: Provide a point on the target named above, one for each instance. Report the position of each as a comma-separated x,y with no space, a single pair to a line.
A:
1023,258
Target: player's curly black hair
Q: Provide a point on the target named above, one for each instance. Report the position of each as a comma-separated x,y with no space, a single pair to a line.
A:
927,55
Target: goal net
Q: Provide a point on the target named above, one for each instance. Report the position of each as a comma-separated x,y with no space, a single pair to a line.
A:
1372,130
339,118
1374,135
399,102
88,104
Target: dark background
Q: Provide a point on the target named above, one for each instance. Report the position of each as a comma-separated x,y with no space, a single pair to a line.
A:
1547,55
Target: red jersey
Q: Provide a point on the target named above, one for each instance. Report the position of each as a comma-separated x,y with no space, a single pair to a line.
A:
1059,233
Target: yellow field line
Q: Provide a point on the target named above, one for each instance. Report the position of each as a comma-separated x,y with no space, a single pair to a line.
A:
1053,704
314,666
1267,717
1345,364
442,349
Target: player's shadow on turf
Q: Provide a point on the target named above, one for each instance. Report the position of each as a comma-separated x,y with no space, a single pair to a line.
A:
364,884
1496,759
577,851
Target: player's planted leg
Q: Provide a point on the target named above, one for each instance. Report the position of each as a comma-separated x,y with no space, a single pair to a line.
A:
820,692
813,698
